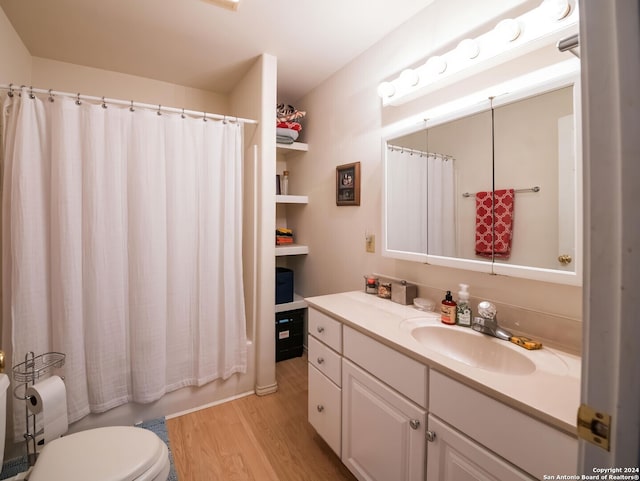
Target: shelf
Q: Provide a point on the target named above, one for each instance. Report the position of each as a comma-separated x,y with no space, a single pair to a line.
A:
291,250
298,303
296,146
292,199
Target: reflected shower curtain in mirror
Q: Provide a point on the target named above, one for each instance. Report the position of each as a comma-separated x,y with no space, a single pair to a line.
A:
420,202
121,247
441,219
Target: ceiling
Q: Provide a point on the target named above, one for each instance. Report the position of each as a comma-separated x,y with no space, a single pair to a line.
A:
197,44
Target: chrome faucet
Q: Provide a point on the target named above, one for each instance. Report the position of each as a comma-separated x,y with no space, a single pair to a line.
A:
487,323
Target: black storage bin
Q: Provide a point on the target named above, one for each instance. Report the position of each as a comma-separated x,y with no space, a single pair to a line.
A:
289,334
284,285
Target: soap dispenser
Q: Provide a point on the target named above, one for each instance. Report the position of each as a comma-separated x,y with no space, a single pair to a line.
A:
463,310
448,310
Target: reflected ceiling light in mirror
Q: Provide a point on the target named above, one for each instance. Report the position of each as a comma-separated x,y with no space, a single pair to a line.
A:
541,27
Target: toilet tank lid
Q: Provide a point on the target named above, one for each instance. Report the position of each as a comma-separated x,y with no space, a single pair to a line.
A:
115,453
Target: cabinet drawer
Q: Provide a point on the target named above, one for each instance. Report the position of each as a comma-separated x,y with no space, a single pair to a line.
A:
325,360
325,408
326,329
402,373
535,447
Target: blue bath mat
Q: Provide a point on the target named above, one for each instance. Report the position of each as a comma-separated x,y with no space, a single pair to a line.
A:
159,427
18,465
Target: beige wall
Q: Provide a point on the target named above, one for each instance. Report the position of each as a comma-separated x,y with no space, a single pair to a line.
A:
66,77
15,60
345,123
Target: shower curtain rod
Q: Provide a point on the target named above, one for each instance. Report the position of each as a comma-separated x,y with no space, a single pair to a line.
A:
419,152
104,101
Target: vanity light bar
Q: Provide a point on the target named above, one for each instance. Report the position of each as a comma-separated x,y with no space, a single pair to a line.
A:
542,26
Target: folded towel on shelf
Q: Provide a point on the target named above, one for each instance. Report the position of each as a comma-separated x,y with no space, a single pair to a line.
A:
289,125
292,134
284,140
494,223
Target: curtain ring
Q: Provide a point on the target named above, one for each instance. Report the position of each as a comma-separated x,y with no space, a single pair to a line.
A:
50,95
78,99
31,96
204,116
131,109
182,114
224,120
10,94
104,104
158,112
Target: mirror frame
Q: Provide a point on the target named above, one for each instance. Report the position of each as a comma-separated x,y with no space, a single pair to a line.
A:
566,78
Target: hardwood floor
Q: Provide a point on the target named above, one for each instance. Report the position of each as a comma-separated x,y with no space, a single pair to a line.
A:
262,438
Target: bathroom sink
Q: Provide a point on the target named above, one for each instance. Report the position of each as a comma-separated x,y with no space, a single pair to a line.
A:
474,349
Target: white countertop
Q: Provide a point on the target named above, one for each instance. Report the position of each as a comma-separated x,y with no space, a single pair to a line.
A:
551,393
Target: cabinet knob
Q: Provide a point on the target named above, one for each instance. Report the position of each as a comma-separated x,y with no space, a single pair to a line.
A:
414,423
564,259
320,360
320,408
320,329
431,436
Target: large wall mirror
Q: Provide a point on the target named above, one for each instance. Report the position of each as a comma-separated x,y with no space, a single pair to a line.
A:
494,188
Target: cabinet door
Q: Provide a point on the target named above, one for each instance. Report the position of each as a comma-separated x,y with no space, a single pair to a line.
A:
383,433
455,457
324,408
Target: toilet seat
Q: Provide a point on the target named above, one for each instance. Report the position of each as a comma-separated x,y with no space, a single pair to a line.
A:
115,453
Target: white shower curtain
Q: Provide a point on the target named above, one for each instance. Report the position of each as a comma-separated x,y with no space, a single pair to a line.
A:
121,247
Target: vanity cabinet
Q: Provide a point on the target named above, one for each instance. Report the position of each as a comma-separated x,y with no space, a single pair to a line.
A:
390,416
383,433
384,398
325,378
534,447
455,457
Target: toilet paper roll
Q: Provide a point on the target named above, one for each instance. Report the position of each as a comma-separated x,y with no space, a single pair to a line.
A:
48,399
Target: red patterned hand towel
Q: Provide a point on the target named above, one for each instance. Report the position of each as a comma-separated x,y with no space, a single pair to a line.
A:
503,228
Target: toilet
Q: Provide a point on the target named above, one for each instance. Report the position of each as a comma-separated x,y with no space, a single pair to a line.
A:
114,453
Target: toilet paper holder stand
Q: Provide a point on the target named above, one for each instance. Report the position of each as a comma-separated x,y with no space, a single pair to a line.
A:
26,374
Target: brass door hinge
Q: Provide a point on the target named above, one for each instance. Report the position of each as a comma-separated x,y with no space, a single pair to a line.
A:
594,426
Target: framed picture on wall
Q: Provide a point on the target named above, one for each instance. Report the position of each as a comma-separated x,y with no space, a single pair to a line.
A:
348,184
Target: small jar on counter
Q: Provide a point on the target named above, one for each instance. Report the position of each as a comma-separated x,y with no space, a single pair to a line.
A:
384,290
371,284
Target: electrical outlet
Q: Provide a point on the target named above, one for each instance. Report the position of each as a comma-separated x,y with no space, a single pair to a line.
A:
370,243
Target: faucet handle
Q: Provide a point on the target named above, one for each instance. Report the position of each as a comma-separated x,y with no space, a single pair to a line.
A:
487,310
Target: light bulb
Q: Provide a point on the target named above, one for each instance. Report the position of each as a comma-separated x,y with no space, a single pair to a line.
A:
469,48
436,65
508,29
556,9
386,90
409,77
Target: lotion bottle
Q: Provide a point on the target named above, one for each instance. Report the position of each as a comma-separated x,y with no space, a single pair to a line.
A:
448,310
463,310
